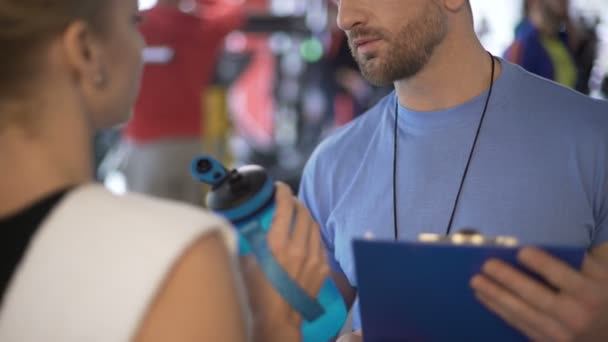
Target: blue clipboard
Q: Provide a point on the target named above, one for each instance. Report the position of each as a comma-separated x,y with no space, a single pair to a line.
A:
421,292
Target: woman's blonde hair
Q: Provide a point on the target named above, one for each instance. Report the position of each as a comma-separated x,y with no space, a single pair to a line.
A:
25,27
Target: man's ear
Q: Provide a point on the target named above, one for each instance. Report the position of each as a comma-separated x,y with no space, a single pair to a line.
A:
455,5
83,54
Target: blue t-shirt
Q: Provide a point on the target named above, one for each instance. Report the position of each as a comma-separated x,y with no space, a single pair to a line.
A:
539,172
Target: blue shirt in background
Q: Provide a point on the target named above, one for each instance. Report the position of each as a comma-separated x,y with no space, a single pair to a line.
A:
539,172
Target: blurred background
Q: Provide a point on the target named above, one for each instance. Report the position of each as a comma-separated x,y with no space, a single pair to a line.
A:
264,81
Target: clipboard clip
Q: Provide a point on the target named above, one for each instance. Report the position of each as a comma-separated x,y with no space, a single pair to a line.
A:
468,237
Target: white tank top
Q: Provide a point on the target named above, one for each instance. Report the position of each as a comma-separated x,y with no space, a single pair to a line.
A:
95,266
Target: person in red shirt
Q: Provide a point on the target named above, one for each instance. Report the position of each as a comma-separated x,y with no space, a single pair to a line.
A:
164,133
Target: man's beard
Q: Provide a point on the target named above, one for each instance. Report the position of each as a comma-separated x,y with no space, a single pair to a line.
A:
406,53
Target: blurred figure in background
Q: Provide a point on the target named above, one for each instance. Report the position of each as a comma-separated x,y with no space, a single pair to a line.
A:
548,44
165,131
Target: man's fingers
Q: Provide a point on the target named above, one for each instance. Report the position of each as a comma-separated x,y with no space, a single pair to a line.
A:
316,245
297,247
522,285
523,327
554,271
278,236
561,308
300,236
595,269
518,313
316,262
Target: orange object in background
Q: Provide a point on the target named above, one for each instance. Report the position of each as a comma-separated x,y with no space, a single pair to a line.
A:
251,96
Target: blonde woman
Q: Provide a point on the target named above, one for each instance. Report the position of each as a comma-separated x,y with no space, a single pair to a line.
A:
80,264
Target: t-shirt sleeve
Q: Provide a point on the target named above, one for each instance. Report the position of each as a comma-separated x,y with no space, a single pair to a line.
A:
315,196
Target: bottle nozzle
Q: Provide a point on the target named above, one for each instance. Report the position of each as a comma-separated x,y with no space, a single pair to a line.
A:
204,166
208,170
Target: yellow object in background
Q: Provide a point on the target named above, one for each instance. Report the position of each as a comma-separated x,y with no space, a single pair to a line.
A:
215,125
563,64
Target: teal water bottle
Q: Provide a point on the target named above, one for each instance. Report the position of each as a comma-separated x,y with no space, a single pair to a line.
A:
246,197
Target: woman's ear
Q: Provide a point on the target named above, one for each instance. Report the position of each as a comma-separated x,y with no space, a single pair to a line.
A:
83,55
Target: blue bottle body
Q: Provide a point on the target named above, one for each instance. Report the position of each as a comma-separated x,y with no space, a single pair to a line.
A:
244,208
327,326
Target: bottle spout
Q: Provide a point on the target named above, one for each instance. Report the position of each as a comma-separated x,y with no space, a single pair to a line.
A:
208,170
